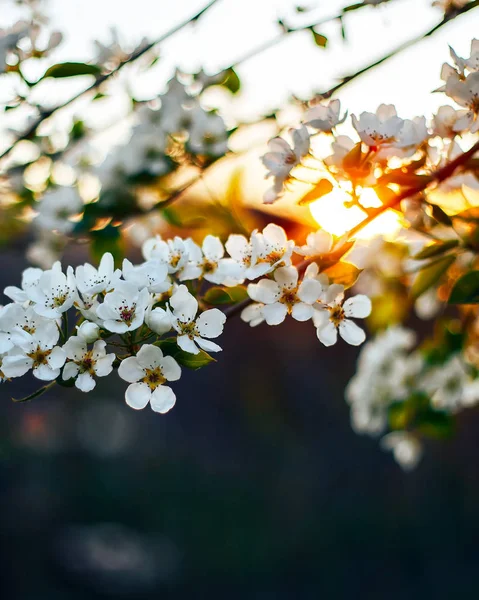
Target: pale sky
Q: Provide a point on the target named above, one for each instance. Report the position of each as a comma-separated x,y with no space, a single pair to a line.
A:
296,65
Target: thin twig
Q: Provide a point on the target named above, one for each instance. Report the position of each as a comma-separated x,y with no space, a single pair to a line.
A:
436,177
47,113
447,19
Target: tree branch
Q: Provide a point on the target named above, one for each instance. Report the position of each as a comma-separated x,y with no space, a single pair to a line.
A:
436,177
47,113
448,17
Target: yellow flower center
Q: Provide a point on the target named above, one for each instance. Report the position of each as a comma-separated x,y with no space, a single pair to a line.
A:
153,378
39,356
336,315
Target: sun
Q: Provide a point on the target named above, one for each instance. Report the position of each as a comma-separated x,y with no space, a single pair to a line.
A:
332,215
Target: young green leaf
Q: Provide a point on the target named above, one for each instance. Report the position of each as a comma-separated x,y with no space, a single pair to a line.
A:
218,295
232,81
71,69
430,275
466,289
436,249
191,361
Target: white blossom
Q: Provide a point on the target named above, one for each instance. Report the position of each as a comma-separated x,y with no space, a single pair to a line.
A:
259,255
55,292
92,281
285,296
334,315
406,448
445,121
152,275
192,331
147,373
325,117
56,207
317,243
30,279
466,93
253,314
282,158
208,263
451,386
208,134
89,332
271,247
37,351
124,309
378,128
158,320
84,364
173,253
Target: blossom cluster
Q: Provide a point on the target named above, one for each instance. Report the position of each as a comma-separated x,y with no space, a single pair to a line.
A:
394,385
387,139
140,317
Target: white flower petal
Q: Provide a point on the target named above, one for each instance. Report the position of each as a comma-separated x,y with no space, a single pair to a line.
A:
275,314
57,358
85,382
16,366
351,333
130,370
162,399
186,344
266,291
210,323
70,370
170,368
327,335
207,345
149,356
104,365
309,290
137,395
286,277
357,306
302,311
213,248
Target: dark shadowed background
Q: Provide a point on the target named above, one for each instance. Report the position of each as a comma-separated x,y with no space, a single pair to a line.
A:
253,486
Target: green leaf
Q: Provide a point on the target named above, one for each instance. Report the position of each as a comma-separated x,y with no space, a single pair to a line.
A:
71,69
319,39
430,275
400,415
320,189
436,249
466,289
440,215
232,81
435,424
190,361
343,273
218,295
104,240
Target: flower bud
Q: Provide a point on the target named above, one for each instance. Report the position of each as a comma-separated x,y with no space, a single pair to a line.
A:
88,331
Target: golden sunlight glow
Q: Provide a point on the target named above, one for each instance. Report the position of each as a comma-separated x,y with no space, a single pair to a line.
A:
331,214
